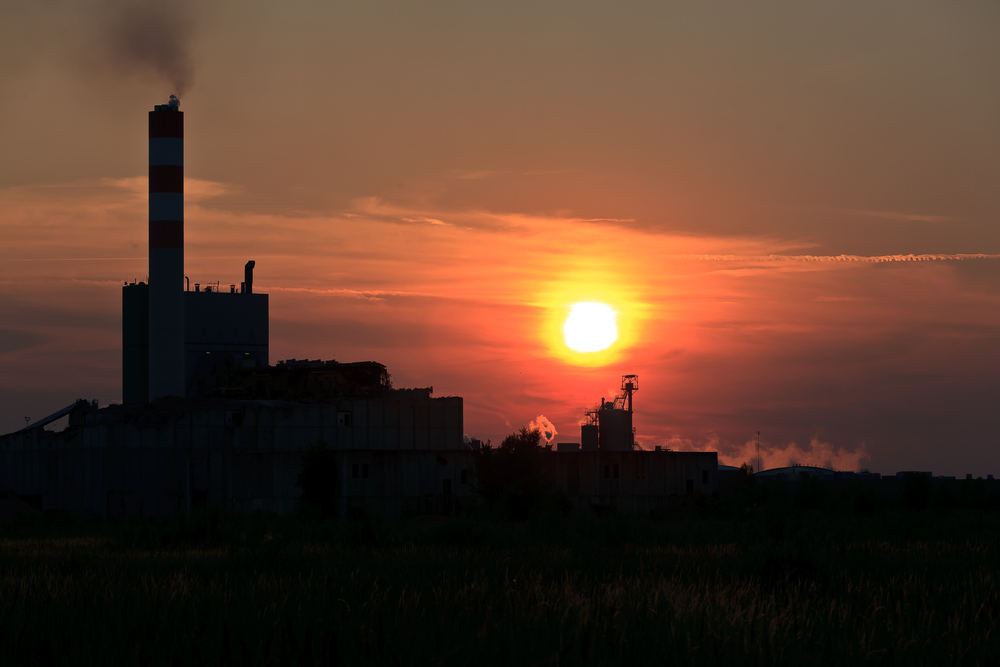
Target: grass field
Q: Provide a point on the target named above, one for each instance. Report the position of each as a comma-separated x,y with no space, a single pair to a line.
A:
773,586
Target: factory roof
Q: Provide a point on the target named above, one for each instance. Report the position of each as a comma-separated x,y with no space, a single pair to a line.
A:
796,471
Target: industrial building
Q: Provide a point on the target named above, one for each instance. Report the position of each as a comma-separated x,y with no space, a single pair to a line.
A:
171,334
632,481
798,472
207,420
398,451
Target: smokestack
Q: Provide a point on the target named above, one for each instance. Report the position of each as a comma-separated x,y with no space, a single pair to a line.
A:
248,277
166,250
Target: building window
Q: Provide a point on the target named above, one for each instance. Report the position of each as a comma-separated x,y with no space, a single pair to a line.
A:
616,471
364,471
704,477
607,472
465,477
344,419
354,471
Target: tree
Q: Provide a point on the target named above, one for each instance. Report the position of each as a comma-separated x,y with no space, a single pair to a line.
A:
512,476
318,479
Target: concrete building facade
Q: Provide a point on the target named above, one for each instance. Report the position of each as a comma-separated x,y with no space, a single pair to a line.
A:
396,456
164,459
632,481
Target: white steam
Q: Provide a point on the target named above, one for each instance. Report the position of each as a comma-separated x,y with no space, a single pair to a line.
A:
542,424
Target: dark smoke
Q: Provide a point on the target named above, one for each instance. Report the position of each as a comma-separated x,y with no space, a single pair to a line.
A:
155,37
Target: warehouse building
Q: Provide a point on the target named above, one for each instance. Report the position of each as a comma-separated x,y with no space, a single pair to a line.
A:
399,453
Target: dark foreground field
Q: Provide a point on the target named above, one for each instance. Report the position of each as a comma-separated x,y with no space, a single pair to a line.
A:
768,586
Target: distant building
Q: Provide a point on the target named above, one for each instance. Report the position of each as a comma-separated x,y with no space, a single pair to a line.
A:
632,481
797,473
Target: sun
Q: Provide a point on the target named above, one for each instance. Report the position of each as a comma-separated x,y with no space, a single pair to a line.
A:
590,327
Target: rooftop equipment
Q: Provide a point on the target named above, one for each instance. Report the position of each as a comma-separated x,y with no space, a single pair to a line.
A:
609,427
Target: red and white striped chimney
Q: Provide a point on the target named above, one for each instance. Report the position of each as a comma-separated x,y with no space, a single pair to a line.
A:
166,250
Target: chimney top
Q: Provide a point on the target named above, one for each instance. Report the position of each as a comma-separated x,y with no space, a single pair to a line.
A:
173,105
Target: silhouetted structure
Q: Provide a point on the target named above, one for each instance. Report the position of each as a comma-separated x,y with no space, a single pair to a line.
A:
207,420
609,427
166,250
171,335
795,473
397,451
634,481
221,328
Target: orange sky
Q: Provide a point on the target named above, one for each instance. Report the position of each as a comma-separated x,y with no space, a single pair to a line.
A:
431,185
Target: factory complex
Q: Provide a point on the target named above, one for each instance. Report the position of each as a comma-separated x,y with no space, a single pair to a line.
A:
207,420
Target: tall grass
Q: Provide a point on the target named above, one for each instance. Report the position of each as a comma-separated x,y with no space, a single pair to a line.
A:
896,589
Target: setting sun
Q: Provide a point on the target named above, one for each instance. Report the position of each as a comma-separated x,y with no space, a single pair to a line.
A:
590,327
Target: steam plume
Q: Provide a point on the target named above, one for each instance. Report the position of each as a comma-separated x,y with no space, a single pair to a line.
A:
543,426
155,37
778,455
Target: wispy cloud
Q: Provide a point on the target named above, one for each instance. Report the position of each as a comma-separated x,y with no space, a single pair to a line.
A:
195,189
431,221
866,259
365,295
546,172
473,175
905,217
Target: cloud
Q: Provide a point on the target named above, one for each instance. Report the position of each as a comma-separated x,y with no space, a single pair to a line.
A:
474,175
467,308
195,189
840,259
365,295
905,217
12,340
431,221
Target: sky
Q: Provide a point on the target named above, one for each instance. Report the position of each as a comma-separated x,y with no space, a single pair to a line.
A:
792,207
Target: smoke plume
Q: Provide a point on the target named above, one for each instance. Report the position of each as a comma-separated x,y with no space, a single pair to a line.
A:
153,38
774,455
543,426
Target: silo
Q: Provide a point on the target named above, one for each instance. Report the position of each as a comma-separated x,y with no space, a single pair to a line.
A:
588,437
615,429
